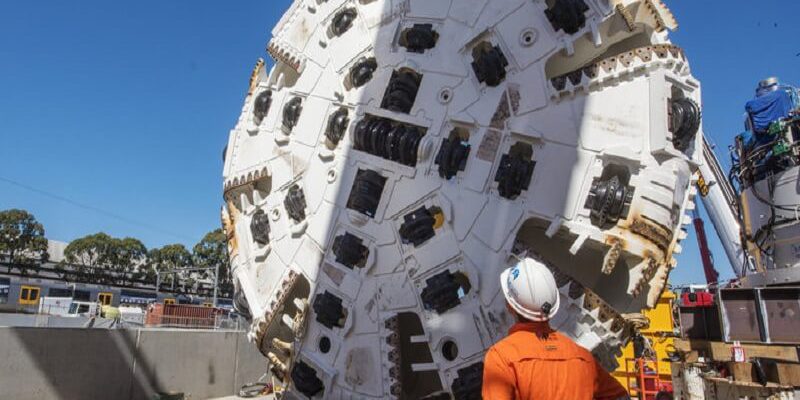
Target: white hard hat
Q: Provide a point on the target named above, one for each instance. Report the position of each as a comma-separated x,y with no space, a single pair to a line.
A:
530,289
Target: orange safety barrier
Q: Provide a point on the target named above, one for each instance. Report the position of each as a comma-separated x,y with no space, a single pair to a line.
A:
180,316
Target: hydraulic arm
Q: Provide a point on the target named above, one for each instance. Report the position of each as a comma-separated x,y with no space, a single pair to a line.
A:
720,202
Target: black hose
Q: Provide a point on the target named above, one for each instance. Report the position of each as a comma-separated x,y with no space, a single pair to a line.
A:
686,118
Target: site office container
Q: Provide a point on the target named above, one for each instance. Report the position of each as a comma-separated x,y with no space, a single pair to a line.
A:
180,315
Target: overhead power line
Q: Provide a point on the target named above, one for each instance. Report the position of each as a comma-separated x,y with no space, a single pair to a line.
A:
94,209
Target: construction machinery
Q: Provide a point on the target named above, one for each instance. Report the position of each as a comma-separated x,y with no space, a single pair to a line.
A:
643,369
398,155
711,274
740,339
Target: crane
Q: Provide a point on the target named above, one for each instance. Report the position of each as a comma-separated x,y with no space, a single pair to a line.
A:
719,200
712,275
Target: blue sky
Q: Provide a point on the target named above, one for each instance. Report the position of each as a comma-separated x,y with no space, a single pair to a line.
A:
114,115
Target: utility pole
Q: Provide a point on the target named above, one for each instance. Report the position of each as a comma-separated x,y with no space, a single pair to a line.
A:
216,283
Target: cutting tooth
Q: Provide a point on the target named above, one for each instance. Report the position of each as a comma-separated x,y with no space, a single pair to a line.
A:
280,344
394,356
607,324
393,339
283,52
662,15
391,323
626,15
396,389
276,362
255,76
611,258
594,313
576,292
658,283
648,268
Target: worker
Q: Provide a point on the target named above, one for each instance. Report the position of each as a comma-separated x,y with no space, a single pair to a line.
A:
534,361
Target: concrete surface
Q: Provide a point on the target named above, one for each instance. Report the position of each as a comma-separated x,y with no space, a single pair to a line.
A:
78,364
51,321
250,363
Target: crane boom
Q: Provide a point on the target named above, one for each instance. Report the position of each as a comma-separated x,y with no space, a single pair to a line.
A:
712,276
720,202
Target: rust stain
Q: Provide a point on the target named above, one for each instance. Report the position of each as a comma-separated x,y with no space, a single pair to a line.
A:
627,16
591,300
254,75
645,54
653,242
501,114
659,235
286,286
613,254
243,180
487,150
648,272
229,215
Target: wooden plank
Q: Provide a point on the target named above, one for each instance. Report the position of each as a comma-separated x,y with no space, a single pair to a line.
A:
721,351
692,356
741,371
770,385
782,373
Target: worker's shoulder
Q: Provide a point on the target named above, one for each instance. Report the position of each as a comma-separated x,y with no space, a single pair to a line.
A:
528,345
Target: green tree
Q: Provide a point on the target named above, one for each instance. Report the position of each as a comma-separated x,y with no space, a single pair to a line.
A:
105,259
126,255
169,258
91,256
22,240
211,251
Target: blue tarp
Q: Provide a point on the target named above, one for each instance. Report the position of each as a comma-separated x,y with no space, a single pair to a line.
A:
768,108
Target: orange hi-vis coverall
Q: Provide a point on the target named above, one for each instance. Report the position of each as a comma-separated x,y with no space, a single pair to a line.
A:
536,362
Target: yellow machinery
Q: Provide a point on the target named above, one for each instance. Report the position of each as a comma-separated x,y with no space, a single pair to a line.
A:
660,335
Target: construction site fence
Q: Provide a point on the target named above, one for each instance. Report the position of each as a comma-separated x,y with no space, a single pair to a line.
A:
215,322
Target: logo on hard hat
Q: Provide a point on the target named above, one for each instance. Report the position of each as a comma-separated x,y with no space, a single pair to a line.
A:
515,273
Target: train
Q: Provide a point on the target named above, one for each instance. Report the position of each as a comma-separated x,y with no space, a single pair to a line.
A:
21,294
